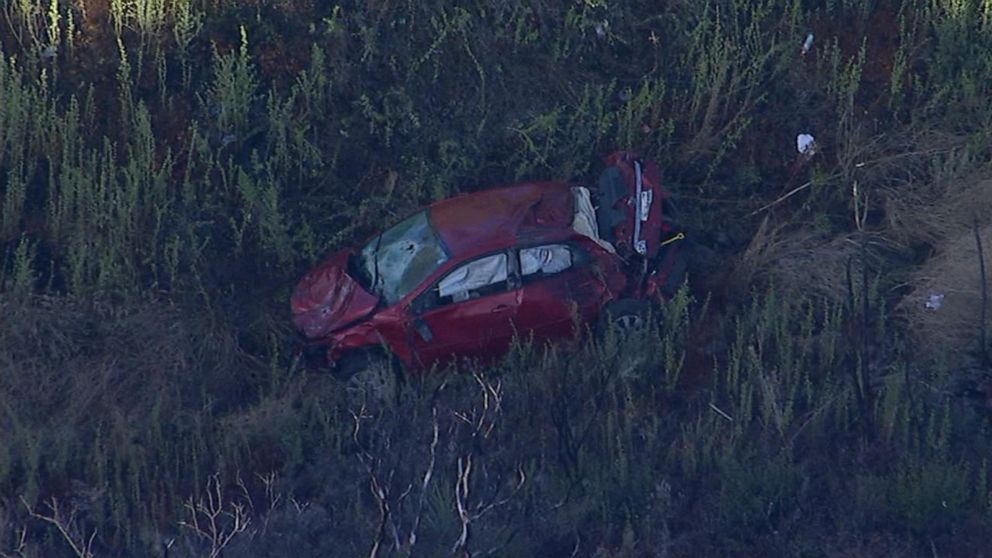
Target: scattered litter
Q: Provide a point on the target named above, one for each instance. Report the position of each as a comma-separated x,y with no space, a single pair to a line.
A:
48,53
934,301
601,28
805,144
228,140
807,44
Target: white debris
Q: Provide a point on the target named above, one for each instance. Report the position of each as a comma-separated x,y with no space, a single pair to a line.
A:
934,301
807,44
602,28
805,144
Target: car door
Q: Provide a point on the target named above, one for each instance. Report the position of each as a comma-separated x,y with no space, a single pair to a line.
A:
559,290
466,313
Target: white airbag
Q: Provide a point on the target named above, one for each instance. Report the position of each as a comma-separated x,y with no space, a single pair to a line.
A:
473,275
546,259
584,220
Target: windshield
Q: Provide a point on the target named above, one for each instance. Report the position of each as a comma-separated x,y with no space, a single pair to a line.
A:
407,255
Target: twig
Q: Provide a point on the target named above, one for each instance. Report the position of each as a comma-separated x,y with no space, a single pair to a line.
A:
20,547
82,547
379,490
483,427
860,214
855,375
211,520
461,495
781,199
466,513
983,328
428,474
721,413
272,497
866,341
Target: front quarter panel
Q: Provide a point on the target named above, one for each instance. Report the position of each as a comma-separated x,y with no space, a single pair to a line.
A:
385,328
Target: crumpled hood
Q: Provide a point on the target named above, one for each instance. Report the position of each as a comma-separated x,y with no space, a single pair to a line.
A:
327,298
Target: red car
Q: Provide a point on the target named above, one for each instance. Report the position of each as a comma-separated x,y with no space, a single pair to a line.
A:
465,275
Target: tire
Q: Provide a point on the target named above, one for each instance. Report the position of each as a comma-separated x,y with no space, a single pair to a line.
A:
370,376
624,317
622,330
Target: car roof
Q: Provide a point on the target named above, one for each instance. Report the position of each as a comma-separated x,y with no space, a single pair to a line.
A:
500,216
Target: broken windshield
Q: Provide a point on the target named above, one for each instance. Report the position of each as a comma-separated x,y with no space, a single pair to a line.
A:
400,258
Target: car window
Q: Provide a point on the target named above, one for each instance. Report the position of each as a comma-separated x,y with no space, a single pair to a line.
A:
474,279
545,260
398,260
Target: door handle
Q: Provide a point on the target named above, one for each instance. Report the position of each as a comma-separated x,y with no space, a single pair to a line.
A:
500,308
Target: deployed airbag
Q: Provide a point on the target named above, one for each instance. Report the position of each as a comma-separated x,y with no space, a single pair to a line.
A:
460,283
584,220
545,259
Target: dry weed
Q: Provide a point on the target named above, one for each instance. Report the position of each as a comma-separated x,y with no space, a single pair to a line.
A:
70,361
932,215
798,261
943,308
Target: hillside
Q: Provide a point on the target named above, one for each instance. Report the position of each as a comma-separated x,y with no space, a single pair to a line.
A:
821,387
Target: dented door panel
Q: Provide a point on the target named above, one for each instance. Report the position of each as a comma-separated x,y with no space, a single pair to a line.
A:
553,304
467,312
481,327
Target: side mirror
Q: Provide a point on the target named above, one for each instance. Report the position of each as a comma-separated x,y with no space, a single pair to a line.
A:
423,330
424,302
421,303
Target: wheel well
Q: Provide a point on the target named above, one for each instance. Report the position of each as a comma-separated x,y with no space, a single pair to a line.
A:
622,307
354,359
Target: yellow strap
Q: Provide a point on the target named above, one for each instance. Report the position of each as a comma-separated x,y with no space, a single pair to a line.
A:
680,236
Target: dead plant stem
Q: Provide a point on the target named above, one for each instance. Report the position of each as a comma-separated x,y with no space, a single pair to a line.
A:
982,325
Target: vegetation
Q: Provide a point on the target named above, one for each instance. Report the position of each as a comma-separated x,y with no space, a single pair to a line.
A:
168,168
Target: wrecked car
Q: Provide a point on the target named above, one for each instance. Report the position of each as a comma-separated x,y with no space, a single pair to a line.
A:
465,275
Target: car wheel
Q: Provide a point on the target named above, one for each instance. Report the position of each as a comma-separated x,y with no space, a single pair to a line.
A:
370,376
625,317
622,327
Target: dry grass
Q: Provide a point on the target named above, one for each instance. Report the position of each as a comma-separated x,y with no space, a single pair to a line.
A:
952,275
938,220
72,362
935,214
797,262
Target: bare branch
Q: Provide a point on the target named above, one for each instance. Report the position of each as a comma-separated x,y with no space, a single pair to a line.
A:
484,422
214,520
66,525
380,490
428,474
982,326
